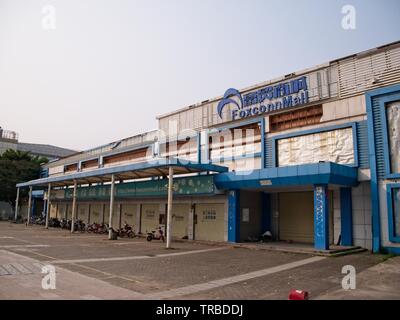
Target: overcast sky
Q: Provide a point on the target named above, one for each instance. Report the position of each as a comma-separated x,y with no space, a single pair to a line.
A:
104,69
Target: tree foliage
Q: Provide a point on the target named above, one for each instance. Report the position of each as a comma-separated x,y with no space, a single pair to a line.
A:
15,167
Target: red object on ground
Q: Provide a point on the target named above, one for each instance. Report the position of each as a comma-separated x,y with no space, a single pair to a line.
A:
298,295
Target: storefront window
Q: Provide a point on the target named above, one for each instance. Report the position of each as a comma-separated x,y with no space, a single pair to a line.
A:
396,211
393,124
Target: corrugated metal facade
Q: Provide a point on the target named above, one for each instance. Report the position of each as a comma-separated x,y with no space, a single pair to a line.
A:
379,139
379,135
364,72
322,84
269,160
362,143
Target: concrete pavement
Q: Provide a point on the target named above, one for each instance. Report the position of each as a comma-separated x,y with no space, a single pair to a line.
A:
381,281
91,267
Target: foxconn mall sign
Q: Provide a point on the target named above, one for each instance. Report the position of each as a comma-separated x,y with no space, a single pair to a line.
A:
272,98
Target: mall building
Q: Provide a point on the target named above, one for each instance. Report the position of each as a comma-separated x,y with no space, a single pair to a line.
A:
312,156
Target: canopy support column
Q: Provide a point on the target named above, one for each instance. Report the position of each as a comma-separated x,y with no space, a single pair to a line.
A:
110,230
321,217
169,209
29,206
48,206
73,207
16,205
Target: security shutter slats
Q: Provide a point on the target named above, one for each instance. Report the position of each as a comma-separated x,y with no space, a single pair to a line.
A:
269,163
362,142
356,74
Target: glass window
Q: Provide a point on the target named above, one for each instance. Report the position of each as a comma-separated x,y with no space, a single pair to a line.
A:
393,124
396,211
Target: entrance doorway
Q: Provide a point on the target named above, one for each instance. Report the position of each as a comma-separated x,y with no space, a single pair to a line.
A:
296,216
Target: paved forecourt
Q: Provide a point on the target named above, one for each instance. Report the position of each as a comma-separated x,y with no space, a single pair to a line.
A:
137,269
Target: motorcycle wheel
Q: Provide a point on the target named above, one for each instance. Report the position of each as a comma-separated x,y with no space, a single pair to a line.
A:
149,238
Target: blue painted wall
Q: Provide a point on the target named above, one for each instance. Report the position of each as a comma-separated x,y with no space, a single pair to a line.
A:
378,151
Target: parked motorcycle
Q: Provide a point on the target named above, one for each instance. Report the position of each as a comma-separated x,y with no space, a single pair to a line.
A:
40,221
54,223
92,227
103,228
79,225
156,235
126,231
65,224
32,220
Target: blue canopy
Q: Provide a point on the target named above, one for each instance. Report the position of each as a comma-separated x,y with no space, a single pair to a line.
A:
140,170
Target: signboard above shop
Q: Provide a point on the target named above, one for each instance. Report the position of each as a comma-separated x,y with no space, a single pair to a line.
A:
195,185
295,90
271,98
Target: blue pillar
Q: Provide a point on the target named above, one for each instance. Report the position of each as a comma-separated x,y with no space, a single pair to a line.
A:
265,212
321,217
234,216
346,221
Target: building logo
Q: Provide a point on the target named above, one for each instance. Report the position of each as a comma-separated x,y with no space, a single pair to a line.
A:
272,98
230,93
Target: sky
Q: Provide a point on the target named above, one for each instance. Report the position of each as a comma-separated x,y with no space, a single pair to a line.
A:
82,73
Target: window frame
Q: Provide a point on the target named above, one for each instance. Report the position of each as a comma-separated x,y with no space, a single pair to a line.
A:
390,211
352,125
383,105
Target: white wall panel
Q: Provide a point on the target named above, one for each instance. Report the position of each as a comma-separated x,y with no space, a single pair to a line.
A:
334,146
393,119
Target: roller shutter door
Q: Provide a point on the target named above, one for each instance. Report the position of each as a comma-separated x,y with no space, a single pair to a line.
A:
61,210
209,222
83,212
115,222
296,217
53,210
180,215
150,216
95,213
116,217
69,211
129,214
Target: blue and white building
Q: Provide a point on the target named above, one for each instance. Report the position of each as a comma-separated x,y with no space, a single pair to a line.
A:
313,157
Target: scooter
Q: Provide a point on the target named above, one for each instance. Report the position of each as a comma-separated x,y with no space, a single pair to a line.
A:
155,235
